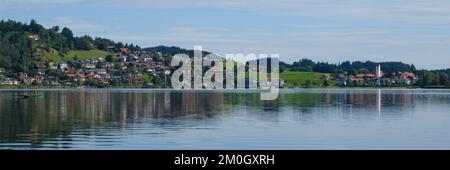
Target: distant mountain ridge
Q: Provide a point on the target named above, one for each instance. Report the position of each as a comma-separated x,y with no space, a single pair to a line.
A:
172,50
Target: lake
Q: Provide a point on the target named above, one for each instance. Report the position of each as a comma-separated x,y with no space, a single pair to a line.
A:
96,119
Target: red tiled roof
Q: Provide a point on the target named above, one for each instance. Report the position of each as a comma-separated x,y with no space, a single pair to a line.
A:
71,75
124,49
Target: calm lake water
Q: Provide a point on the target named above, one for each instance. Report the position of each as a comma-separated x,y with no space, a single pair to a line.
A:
157,119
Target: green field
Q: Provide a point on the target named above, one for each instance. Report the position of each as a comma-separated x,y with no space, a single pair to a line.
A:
305,79
91,54
81,54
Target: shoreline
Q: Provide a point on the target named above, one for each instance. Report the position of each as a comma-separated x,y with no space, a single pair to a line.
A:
222,90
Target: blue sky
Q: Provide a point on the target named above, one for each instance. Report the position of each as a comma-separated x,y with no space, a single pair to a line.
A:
412,31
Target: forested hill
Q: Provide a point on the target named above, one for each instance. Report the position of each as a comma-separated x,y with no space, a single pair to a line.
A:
307,65
23,46
171,51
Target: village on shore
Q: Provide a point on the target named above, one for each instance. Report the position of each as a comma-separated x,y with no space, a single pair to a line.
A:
149,69
126,68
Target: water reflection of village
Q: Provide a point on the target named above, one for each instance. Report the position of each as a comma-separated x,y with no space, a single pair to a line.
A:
364,104
63,113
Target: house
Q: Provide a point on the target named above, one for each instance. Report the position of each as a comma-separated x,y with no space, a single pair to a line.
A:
386,81
53,66
156,65
89,66
71,76
52,80
105,76
405,78
2,70
63,66
41,69
101,71
124,68
38,79
81,77
123,58
23,77
325,77
369,76
341,81
134,79
123,50
116,78
71,69
34,37
358,81
147,59
9,81
91,76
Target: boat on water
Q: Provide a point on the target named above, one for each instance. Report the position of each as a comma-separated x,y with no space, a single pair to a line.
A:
27,96
33,95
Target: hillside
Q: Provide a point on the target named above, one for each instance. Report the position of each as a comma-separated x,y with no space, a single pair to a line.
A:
23,46
54,56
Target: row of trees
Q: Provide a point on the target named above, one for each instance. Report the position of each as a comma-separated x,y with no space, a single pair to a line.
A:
433,78
307,65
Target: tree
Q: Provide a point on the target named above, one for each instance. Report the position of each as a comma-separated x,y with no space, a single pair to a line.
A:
305,65
109,58
428,78
55,29
35,27
308,84
352,71
363,71
67,33
68,36
156,80
443,79
326,84
75,57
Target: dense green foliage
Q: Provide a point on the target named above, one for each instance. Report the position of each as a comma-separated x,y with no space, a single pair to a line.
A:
434,78
307,65
171,51
23,46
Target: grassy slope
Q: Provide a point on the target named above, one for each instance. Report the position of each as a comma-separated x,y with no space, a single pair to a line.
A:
82,54
298,79
91,54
